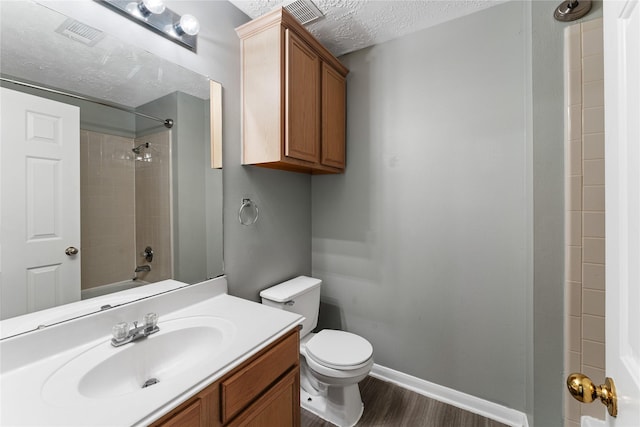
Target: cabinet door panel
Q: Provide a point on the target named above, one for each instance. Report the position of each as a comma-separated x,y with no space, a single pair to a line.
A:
280,406
302,82
333,117
188,417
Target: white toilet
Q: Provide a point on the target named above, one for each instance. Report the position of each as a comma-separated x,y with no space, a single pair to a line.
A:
332,362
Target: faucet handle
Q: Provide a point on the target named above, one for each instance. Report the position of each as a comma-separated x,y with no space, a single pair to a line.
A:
150,321
120,331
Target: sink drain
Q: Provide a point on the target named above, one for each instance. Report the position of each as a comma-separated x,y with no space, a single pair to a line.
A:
150,382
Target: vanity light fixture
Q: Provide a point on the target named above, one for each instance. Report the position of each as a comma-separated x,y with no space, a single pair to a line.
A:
154,15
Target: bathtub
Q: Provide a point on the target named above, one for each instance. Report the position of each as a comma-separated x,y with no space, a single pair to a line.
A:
110,288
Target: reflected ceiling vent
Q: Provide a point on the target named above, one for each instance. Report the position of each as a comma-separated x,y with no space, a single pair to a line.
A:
304,11
80,32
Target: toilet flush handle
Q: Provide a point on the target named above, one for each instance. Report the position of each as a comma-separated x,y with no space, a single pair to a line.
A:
290,303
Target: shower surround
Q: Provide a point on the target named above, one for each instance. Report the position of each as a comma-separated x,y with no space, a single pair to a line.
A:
125,206
585,213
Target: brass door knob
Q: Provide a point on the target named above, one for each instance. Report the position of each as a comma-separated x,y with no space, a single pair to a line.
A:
71,251
584,390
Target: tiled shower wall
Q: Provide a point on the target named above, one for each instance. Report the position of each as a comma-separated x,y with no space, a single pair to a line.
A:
107,206
585,216
125,206
153,206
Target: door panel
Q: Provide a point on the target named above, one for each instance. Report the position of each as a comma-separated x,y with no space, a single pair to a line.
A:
39,203
622,157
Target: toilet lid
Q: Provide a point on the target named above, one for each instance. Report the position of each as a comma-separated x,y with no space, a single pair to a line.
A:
339,349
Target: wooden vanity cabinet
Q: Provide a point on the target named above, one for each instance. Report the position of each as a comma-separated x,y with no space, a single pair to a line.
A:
262,392
293,98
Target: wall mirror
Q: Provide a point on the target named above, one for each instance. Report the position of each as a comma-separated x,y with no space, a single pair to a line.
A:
149,204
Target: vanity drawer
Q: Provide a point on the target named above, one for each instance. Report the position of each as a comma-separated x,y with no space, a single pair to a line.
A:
245,385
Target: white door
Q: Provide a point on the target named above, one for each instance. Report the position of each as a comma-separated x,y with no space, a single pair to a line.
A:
622,145
39,203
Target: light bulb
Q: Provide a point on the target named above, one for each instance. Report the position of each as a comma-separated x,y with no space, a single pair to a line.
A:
148,7
188,25
154,6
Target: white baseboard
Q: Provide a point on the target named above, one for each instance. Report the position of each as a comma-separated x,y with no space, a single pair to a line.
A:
452,397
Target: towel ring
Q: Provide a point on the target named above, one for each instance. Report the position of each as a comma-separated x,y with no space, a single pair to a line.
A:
248,213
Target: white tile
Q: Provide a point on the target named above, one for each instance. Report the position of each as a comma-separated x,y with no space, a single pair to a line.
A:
593,328
593,95
593,354
593,120
573,193
573,228
574,302
574,129
591,24
593,172
574,263
593,146
593,198
593,250
574,89
591,41
574,157
592,68
593,224
572,410
574,362
574,333
597,375
593,302
593,276
573,49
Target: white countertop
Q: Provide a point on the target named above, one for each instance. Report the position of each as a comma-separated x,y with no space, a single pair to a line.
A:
30,359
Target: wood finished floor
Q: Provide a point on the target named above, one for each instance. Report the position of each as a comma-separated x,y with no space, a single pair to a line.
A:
388,405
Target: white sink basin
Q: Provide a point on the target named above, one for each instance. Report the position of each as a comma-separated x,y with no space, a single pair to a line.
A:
106,372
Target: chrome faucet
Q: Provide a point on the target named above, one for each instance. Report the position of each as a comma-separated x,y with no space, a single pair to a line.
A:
143,268
122,334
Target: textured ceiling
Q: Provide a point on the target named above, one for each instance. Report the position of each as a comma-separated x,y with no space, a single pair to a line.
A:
111,70
350,25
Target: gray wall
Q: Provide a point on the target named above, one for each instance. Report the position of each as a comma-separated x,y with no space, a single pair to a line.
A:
424,243
548,212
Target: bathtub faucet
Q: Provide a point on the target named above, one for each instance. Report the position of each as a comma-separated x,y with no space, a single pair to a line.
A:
143,268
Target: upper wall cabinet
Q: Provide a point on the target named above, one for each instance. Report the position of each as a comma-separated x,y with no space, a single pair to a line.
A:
293,98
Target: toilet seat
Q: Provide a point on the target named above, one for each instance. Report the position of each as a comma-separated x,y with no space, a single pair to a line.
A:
339,350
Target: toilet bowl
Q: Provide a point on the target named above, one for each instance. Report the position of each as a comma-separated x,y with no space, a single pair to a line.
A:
332,362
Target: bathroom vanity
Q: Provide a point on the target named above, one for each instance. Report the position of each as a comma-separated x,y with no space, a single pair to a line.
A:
217,360
263,391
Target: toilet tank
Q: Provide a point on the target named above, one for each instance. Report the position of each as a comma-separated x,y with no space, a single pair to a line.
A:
300,295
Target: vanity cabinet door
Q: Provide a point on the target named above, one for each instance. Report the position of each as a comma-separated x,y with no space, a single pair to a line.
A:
187,417
202,410
280,406
247,384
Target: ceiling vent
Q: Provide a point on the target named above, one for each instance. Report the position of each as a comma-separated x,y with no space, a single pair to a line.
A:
304,11
80,32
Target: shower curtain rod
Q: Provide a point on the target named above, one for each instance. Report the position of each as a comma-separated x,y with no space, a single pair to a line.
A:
168,123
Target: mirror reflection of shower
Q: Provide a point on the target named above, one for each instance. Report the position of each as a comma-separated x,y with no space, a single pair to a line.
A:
141,154
126,207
